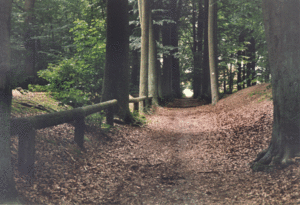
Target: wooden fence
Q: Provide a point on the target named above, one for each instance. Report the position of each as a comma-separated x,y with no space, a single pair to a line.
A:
25,128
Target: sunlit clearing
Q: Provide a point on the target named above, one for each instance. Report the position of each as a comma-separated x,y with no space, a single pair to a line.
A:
188,92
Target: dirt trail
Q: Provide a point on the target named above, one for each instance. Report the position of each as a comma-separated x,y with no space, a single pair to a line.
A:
210,147
190,155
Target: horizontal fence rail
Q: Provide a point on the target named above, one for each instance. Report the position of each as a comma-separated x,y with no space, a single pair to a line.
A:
26,128
136,101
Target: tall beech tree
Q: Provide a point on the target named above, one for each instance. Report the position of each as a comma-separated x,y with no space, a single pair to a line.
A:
250,52
175,12
144,10
212,42
197,49
284,54
166,77
7,185
153,70
169,83
206,88
116,74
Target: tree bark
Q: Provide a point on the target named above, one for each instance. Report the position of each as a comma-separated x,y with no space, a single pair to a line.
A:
224,80
195,80
251,63
284,57
197,51
240,58
144,17
153,71
175,63
8,190
135,69
206,88
212,17
116,74
239,70
231,77
175,15
166,78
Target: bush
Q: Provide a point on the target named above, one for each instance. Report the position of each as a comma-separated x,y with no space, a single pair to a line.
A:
72,83
78,81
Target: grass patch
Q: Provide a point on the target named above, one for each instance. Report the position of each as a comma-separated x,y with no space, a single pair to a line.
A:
263,95
139,120
35,103
95,119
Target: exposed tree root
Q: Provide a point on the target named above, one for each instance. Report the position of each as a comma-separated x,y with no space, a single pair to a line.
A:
274,157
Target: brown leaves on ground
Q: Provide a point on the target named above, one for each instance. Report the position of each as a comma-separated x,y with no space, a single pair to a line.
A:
195,155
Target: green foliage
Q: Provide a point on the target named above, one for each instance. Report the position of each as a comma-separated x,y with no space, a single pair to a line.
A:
37,88
95,119
106,126
49,29
265,94
89,38
139,120
77,81
67,82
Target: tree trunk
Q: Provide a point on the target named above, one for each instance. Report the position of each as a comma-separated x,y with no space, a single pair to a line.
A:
197,51
231,77
240,63
175,15
199,45
175,63
194,49
267,74
153,71
8,191
166,78
251,64
212,17
116,74
206,88
284,57
239,70
224,79
244,75
135,69
144,17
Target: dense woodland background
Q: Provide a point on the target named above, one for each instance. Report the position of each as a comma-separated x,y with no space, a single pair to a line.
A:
62,45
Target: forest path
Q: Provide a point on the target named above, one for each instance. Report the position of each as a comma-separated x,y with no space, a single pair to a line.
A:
190,155
209,148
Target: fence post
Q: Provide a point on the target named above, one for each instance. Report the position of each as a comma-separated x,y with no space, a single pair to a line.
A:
79,131
26,153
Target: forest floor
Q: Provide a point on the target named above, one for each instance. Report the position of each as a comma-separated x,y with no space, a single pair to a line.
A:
183,155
